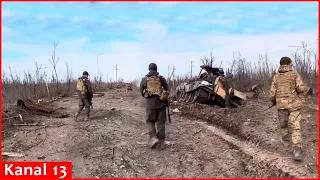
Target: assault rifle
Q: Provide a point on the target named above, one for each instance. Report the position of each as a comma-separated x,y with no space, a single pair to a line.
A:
168,111
90,101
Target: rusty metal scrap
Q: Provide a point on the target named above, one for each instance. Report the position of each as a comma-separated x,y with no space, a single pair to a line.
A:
39,109
27,103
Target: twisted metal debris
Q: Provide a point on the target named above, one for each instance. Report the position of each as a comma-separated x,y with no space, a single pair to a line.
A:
39,109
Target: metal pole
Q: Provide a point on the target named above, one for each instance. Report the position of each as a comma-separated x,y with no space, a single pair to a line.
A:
98,63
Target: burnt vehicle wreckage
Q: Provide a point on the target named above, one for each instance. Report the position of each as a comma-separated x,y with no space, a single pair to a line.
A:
211,87
31,107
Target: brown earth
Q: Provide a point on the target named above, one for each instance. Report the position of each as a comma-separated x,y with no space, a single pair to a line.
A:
257,124
113,143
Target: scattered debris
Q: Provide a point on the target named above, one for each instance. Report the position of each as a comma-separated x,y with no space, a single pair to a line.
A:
12,154
176,110
169,142
41,157
309,167
193,148
39,109
40,101
197,131
13,117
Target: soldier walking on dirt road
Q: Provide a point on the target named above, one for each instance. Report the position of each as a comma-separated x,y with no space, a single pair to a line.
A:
287,89
154,88
85,95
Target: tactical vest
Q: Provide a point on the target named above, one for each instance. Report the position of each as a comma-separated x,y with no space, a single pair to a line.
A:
154,87
81,86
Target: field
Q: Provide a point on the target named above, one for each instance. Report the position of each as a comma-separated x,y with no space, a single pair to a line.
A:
202,140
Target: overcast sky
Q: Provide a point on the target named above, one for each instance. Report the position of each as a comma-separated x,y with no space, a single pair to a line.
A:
132,35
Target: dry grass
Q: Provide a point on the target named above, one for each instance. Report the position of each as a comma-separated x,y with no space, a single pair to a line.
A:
38,85
14,88
242,74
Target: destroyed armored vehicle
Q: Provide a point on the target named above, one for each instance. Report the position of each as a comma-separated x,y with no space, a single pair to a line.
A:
210,87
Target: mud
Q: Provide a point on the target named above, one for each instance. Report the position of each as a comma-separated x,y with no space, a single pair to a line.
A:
114,143
254,124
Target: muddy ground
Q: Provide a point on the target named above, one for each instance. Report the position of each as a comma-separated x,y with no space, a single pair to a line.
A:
113,143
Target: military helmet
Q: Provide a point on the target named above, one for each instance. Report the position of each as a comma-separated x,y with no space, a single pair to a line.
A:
153,66
285,61
85,73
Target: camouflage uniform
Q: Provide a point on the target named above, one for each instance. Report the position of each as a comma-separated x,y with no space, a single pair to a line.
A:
286,89
156,110
85,100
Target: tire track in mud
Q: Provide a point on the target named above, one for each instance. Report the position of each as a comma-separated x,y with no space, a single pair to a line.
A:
232,125
269,159
252,166
192,151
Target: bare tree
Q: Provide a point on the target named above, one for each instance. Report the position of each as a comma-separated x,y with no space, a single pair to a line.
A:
168,74
303,63
54,61
11,75
116,73
69,77
172,75
191,69
37,78
208,61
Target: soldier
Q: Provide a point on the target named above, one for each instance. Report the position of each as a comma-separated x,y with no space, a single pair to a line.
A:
85,95
287,87
129,87
154,88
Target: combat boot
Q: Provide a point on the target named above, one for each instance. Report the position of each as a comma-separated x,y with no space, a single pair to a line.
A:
86,118
285,140
76,116
154,142
161,144
297,153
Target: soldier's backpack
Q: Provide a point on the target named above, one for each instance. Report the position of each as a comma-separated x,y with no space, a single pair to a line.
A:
154,87
81,87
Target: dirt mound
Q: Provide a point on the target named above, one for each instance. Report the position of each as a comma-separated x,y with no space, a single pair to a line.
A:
256,125
221,117
261,170
243,122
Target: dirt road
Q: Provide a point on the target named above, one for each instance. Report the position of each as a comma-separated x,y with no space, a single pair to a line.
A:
114,144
